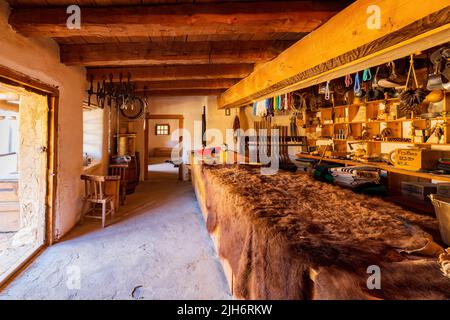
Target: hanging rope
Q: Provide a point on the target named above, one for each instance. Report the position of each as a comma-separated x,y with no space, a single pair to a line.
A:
411,70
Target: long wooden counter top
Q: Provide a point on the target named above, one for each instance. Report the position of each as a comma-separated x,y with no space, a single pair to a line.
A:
287,236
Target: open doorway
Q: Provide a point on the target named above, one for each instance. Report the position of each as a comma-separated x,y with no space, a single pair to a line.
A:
25,128
160,145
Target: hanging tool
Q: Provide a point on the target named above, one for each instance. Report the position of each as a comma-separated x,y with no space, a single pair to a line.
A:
204,127
413,95
367,75
348,80
327,91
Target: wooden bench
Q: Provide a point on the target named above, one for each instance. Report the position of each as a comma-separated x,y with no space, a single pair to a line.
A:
9,191
9,206
162,152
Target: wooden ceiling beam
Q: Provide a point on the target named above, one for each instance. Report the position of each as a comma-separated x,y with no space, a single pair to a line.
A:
184,92
179,19
178,72
6,106
407,26
186,84
163,53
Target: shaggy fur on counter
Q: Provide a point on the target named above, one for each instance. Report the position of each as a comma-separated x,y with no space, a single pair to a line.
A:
287,236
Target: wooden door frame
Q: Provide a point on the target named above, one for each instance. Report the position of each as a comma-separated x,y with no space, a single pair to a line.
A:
148,116
14,78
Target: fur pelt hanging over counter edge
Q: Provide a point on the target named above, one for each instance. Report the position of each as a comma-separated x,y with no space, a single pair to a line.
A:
287,236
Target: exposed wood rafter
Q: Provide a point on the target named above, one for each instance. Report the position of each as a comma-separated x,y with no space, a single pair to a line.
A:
178,72
185,92
151,53
178,20
187,84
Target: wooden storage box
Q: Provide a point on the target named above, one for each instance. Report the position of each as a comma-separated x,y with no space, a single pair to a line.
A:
419,190
332,154
417,159
443,189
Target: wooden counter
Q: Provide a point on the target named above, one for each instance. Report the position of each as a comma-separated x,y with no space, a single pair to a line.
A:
256,253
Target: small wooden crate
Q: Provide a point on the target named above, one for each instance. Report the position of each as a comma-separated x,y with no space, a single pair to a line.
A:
417,159
419,190
443,189
333,154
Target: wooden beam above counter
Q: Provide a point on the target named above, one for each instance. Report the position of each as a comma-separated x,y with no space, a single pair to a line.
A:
345,45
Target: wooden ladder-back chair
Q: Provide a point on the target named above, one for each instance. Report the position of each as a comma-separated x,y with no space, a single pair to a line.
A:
94,193
120,170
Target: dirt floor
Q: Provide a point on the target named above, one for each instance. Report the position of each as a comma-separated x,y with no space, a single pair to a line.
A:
158,248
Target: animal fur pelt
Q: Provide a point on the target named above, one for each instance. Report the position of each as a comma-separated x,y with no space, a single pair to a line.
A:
444,262
287,236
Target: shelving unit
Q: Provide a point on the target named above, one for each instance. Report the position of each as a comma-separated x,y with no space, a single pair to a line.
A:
363,123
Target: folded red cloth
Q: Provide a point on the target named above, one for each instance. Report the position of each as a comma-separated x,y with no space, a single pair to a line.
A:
208,151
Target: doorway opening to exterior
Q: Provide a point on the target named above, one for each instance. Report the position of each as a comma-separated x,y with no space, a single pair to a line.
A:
27,163
162,151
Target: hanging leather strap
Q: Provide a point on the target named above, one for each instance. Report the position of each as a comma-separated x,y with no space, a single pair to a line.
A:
367,75
348,80
357,86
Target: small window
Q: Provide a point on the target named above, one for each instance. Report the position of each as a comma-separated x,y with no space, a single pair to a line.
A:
92,135
162,130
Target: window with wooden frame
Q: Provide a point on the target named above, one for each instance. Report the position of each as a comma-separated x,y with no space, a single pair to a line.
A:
162,129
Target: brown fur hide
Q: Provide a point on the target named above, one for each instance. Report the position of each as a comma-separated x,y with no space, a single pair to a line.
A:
287,236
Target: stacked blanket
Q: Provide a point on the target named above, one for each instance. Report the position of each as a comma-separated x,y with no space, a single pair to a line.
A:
288,236
355,176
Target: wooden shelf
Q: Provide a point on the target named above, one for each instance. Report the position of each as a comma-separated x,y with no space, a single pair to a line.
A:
281,144
365,102
368,122
381,166
394,142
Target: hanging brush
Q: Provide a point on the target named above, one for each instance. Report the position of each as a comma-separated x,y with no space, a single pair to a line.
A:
411,98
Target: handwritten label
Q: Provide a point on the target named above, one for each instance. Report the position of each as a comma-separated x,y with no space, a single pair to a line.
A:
409,158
